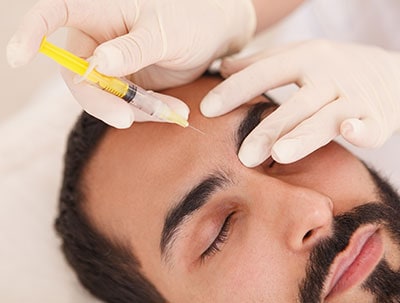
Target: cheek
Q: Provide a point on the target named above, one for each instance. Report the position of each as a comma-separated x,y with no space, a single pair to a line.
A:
336,173
262,273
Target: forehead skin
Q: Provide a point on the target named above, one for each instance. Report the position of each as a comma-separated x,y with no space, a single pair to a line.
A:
137,174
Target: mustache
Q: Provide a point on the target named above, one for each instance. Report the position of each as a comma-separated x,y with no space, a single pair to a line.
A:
324,253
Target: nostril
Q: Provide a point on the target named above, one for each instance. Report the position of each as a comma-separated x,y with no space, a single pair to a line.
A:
307,235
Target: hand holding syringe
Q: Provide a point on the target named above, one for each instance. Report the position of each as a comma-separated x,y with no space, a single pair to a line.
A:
131,93
142,40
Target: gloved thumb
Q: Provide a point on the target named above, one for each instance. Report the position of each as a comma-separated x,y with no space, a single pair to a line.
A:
127,54
362,133
100,104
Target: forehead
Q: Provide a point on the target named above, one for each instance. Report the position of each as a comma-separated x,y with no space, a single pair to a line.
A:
137,174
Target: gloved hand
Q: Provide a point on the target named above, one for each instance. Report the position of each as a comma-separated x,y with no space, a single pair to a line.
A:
346,89
165,43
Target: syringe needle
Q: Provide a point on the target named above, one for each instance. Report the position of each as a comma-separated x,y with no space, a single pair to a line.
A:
196,129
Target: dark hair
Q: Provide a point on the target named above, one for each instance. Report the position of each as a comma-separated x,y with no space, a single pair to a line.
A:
107,269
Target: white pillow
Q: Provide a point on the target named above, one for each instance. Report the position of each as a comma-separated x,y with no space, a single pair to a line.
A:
33,268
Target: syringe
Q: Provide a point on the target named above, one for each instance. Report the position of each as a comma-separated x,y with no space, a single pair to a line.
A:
133,94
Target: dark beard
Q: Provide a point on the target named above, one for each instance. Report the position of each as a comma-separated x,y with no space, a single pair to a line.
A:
383,283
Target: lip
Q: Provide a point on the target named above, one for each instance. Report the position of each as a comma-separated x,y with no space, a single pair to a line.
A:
356,262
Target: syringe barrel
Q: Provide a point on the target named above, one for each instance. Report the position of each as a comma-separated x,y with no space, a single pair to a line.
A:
131,93
144,101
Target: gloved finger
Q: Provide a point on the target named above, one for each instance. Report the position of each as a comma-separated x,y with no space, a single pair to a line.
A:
129,53
250,82
304,103
175,104
233,64
86,45
100,104
43,19
363,132
311,134
165,78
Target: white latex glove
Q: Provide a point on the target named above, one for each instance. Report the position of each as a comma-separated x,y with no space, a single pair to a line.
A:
346,89
164,42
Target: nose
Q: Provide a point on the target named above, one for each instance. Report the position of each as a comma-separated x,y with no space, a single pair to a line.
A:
307,218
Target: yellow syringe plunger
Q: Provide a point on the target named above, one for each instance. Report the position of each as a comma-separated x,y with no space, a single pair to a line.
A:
129,92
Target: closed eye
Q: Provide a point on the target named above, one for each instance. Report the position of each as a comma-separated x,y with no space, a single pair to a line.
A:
222,237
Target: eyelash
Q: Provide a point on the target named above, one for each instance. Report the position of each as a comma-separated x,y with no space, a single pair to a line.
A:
215,247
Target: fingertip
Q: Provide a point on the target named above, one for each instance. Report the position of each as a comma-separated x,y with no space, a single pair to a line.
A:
362,133
252,153
182,110
236,63
287,151
247,159
227,67
211,106
177,105
350,127
17,53
123,55
108,59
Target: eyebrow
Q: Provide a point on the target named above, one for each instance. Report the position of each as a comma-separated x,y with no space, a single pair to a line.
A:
252,119
199,195
193,201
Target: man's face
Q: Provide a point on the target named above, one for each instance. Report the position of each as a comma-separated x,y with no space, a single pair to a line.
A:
208,229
